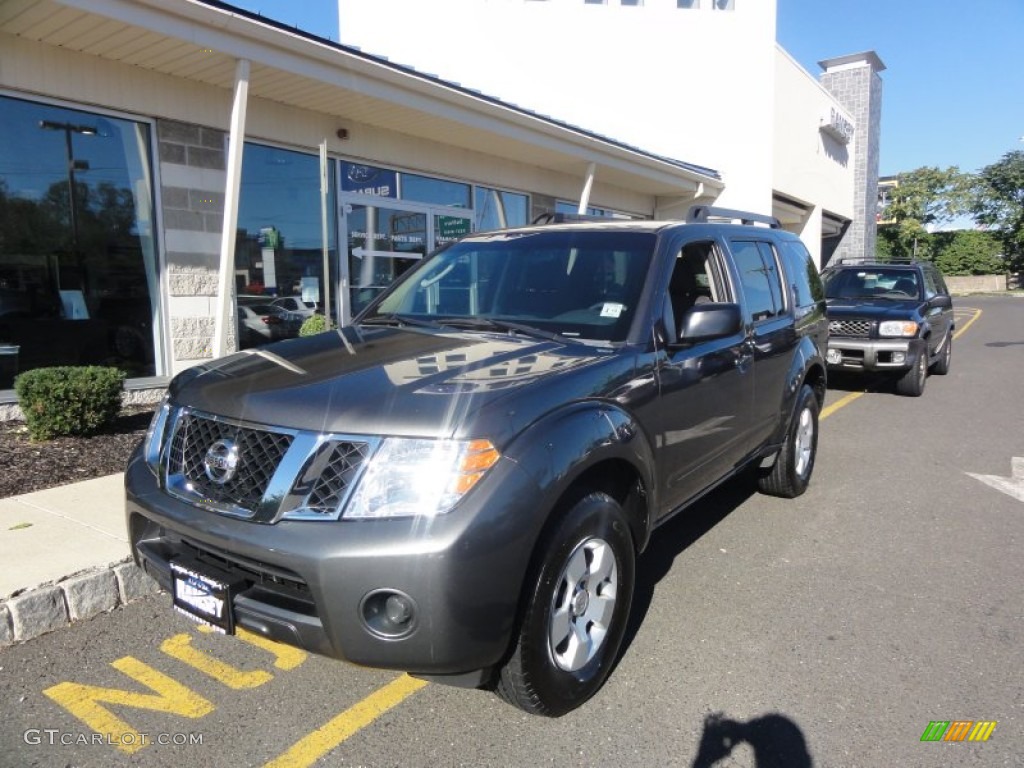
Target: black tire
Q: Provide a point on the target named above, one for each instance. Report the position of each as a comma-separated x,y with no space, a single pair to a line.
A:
791,473
911,383
581,587
941,367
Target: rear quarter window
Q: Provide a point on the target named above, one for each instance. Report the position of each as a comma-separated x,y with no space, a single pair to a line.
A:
802,277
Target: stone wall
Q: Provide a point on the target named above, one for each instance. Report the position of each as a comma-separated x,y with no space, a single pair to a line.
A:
193,179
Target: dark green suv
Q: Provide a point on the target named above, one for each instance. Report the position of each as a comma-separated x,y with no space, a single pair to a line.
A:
895,319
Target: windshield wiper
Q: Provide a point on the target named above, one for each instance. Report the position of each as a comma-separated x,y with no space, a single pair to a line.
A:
492,324
398,319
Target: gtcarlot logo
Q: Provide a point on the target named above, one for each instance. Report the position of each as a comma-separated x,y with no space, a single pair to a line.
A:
53,737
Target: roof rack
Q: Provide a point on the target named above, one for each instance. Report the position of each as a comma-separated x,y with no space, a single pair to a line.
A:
874,261
700,214
567,218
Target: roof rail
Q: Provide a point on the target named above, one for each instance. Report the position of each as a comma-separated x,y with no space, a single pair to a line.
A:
874,261
567,218
699,214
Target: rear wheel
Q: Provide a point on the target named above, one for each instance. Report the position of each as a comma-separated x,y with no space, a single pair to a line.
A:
791,473
911,383
576,611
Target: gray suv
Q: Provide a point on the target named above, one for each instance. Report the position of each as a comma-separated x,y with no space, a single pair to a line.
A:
459,483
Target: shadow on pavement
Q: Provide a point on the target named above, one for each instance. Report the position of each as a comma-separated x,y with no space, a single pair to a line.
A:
776,740
674,537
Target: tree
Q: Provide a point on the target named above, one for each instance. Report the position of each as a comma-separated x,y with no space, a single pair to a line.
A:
922,200
930,196
999,203
968,252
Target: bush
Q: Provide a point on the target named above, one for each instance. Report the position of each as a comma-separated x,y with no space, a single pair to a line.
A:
69,400
315,324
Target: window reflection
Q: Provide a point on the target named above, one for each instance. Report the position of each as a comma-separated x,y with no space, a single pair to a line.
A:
279,279
496,209
424,189
78,274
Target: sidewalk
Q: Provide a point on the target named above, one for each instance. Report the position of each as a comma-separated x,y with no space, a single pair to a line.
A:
64,556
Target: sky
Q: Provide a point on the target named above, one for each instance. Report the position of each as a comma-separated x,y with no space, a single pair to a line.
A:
953,87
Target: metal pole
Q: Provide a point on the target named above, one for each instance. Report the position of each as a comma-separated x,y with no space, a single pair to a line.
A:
323,230
585,197
236,142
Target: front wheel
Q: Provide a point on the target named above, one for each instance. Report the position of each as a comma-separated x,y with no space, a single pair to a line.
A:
791,473
941,368
576,612
911,383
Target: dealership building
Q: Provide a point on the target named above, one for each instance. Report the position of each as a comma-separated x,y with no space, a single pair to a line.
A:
168,167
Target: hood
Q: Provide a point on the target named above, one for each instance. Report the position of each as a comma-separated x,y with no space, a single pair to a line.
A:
879,309
400,381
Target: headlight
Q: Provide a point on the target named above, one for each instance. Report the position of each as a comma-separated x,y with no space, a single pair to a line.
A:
901,328
409,477
154,440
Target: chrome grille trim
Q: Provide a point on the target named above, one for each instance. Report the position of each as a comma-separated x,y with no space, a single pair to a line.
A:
282,473
853,328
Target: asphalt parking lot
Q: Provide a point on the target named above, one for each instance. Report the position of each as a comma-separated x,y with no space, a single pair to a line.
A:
831,630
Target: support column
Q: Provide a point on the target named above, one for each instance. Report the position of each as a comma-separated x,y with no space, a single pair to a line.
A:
225,310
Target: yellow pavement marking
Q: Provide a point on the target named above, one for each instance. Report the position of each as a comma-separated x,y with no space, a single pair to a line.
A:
83,701
180,647
977,314
311,748
840,403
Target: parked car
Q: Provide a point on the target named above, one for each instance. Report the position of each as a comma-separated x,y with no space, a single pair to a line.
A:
296,305
458,484
895,319
263,323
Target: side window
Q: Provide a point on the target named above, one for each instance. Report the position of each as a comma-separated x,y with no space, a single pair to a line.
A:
931,287
759,277
802,276
695,279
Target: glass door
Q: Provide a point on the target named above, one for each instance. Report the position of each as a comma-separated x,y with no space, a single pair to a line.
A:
384,238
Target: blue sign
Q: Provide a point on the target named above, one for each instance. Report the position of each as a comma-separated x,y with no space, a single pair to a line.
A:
368,180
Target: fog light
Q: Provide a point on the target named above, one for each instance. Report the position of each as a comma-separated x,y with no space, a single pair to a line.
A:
389,613
899,357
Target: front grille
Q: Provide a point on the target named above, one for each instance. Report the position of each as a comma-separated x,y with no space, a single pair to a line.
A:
856,328
335,470
251,570
260,451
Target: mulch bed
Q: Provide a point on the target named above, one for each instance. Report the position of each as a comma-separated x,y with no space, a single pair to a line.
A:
30,466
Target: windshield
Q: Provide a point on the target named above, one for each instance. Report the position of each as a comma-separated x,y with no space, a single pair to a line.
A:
579,285
897,284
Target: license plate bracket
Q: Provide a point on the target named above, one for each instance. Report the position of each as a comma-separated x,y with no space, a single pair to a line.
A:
204,594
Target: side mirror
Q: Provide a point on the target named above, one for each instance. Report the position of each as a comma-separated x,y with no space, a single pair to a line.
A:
706,322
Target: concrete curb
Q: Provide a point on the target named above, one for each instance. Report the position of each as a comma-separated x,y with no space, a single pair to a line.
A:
82,595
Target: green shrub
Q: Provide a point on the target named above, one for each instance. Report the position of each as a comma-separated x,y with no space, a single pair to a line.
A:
69,400
314,324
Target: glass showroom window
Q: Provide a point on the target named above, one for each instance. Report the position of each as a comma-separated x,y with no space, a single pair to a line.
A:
495,209
425,189
78,272
279,263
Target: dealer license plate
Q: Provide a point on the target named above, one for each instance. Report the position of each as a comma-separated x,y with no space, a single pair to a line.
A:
203,595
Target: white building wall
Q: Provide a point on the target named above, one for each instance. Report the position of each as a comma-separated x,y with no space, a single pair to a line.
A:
810,165
694,85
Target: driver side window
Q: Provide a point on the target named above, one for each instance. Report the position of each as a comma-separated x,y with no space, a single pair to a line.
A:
693,280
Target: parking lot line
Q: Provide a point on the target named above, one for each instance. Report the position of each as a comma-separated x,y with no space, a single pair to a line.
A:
311,748
977,314
840,403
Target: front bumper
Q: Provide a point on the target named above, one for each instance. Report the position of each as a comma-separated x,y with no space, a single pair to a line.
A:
310,583
872,354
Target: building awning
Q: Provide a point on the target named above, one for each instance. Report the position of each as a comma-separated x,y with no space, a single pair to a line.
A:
202,41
